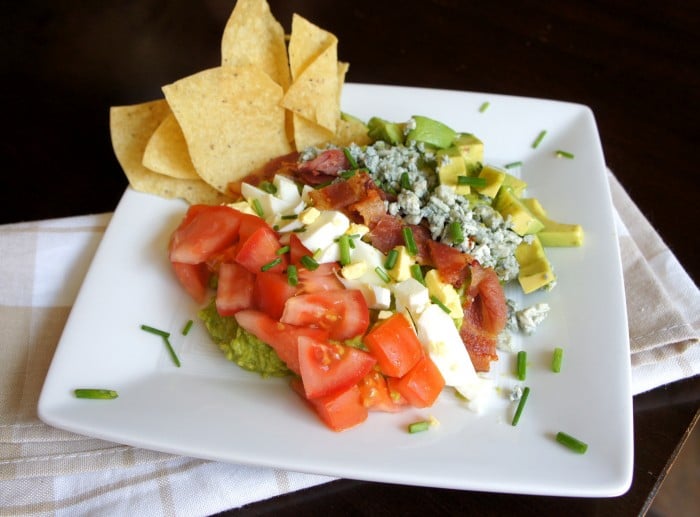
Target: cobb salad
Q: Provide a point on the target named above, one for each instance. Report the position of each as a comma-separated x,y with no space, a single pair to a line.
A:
372,274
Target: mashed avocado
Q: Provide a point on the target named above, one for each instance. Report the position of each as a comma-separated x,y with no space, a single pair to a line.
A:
240,346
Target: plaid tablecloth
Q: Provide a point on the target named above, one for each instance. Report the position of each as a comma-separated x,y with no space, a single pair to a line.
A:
47,471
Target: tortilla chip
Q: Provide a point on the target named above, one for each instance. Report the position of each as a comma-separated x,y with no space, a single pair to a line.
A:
308,133
350,130
253,36
131,128
166,151
306,43
231,119
314,93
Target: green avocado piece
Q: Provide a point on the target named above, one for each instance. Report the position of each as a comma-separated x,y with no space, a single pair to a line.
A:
380,129
524,223
554,234
535,268
494,179
472,150
515,185
431,132
451,165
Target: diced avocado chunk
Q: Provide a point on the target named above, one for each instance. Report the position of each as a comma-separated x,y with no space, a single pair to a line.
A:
472,150
515,185
450,166
431,132
494,179
350,118
554,233
535,268
380,129
524,223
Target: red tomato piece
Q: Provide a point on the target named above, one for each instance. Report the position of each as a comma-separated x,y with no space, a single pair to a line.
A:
259,250
297,249
395,345
323,278
272,290
250,223
328,368
340,410
422,385
376,395
343,313
204,232
234,291
194,278
281,337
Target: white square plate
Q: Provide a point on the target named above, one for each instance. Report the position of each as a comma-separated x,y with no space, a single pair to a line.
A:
210,408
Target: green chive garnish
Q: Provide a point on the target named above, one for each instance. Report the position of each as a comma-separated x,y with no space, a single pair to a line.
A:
292,278
410,242
404,181
484,106
556,359
522,365
350,157
564,154
289,217
391,259
521,405
382,274
456,233
268,187
173,355
309,262
346,175
187,327
417,273
271,264
440,304
572,443
471,181
512,165
258,208
417,427
155,331
282,250
95,393
344,245
539,139
299,230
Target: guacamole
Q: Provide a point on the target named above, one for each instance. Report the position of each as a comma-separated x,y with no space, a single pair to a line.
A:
240,346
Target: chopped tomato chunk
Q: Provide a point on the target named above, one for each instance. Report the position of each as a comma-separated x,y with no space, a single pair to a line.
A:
395,345
194,278
376,396
234,291
422,385
260,251
340,410
204,231
271,292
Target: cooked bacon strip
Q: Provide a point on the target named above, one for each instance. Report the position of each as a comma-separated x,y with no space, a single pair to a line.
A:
370,209
285,164
341,194
330,162
385,233
452,264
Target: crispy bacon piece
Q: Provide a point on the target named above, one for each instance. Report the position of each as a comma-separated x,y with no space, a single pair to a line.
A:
452,264
341,195
370,209
324,168
285,164
385,233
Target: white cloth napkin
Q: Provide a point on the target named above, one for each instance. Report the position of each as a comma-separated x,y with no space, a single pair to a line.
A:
47,471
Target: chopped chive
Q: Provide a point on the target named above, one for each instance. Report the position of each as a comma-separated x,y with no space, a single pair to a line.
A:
292,278
282,250
346,175
299,230
564,154
187,327
484,106
456,233
521,405
472,181
572,443
418,427
258,208
350,157
271,264
556,359
437,302
539,138
417,273
344,246
404,181
173,355
268,187
391,259
382,274
522,365
95,393
351,240
410,242
309,262
512,165
290,217
155,331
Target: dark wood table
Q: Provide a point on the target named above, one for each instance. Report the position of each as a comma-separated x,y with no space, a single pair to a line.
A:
634,63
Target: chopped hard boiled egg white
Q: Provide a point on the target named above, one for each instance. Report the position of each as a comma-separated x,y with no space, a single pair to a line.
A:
323,231
412,295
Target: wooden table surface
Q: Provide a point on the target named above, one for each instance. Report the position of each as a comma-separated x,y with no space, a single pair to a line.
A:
635,64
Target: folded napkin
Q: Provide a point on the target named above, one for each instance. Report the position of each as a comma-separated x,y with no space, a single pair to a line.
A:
44,471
